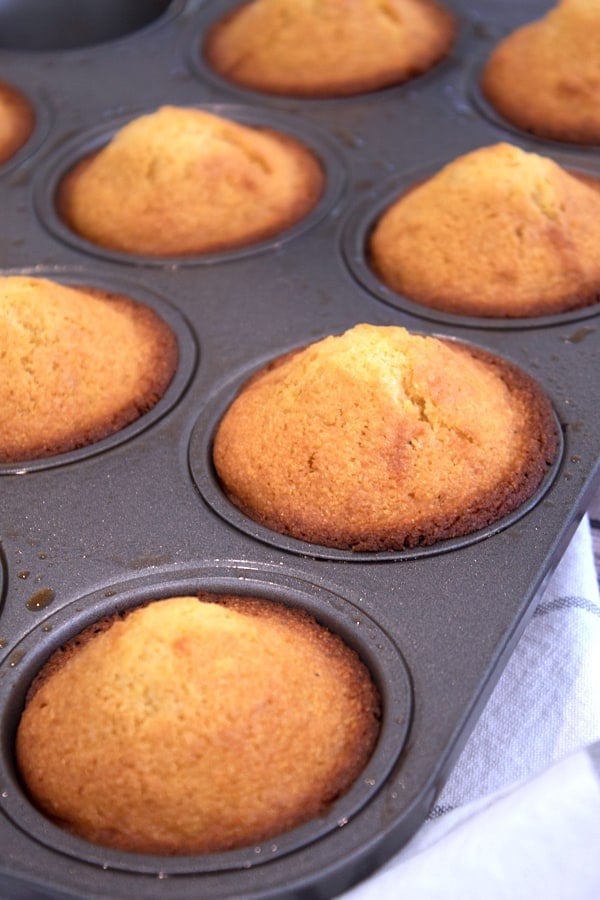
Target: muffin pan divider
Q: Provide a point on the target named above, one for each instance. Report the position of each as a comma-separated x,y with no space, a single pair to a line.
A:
136,515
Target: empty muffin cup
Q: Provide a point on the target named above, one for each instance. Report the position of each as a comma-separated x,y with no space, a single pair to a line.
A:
44,25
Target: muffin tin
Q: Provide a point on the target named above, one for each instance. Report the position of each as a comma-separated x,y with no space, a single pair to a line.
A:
140,515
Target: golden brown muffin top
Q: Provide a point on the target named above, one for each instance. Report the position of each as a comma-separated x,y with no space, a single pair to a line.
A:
193,726
194,182
328,47
17,120
382,439
496,232
76,364
545,76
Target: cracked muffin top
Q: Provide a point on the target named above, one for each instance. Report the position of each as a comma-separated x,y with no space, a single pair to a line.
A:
195,725
17,120
497,232
379,439
325,48
76,365
194,182
545,76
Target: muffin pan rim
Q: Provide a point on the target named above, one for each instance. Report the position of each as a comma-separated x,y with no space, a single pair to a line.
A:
377,649
56,164
3,578
393,594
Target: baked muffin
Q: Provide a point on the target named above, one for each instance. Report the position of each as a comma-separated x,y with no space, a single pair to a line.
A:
17,121
328,48
195,725
379,439
194,182
497,232
77,364
545,76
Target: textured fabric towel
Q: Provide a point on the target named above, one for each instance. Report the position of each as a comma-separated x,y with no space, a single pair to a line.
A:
520,814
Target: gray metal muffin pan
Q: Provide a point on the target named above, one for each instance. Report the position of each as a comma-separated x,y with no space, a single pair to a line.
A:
139,515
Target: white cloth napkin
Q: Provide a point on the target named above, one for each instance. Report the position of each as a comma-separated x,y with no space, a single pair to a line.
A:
519,817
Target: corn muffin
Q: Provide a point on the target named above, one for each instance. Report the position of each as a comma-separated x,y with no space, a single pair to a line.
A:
380,439
545,76
328,48
77,364
497,232
17,121
196,724
194,182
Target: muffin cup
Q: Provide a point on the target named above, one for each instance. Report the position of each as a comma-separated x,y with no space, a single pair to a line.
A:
376,649
479,102
48,179
39,25
206,479
42,122
187,362
361,221
209,16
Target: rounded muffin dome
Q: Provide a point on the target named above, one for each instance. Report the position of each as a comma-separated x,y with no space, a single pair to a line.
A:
496,232
545,76
77,365
330,48
195,725
194,182
379,439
